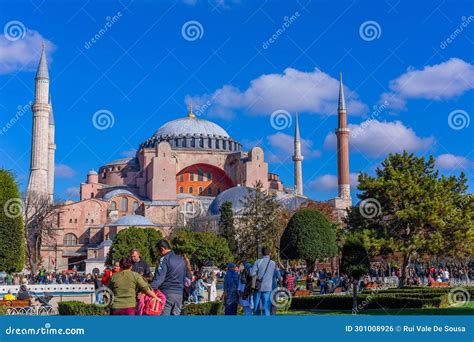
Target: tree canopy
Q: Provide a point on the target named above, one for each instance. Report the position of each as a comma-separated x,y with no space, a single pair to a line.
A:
202,248
144,239
308,236
12,241
408,208
226,226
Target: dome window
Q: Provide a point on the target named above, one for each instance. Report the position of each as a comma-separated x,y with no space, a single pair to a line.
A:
70,240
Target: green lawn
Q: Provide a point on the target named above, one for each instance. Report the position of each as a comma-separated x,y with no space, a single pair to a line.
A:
467,309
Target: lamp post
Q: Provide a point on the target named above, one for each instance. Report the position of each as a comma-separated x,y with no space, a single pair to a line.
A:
55,257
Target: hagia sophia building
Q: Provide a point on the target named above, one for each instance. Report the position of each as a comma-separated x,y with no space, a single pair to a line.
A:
179,176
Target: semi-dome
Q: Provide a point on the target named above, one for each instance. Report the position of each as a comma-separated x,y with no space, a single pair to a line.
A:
237,194
133,220
233,195
117,192
193,133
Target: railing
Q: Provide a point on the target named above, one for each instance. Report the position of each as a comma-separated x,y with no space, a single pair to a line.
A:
38,288
32,311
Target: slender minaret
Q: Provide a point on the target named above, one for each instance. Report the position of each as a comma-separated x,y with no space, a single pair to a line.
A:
51,152
298,158
38,181
342,133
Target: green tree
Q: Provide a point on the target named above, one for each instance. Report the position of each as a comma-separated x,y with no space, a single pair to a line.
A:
310,236
12,242
355,264
145,239
408,208
261,221
202,248
226,226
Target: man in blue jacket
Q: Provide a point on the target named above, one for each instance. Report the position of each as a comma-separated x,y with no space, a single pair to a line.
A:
169,278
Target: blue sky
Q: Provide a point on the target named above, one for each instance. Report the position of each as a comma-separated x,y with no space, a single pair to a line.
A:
407,68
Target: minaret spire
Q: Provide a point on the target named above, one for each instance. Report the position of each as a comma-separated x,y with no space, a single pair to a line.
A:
38,180
190,113
342,133
51,152
297,159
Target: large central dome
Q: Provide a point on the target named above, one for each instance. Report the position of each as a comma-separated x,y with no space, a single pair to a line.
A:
190,125
193,133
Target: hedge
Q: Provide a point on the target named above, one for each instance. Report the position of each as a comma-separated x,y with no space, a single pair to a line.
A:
3,310
76,308
367,302
204,309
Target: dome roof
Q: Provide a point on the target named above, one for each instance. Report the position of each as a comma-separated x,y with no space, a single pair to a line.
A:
192,126
133,220
236,194
233,195
117,192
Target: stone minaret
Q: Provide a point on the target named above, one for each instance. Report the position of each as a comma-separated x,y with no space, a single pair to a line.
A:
342,133
38,181
298,158
51,152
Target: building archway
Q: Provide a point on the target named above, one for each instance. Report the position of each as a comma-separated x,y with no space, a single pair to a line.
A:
202,180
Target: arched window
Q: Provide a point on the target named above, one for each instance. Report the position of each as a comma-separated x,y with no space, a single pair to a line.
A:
191,176
135,206
209,176
92,195
218,191
70,239
181,178
201,142
124,204
181,189
113,205
209,191
200,175
200,190
191,190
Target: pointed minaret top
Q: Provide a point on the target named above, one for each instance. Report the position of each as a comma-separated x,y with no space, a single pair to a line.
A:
342,101
190,113
297,129
42,71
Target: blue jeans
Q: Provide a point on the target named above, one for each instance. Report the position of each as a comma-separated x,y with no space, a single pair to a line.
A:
231,309
262,301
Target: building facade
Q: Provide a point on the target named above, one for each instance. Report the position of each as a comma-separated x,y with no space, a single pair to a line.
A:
177,177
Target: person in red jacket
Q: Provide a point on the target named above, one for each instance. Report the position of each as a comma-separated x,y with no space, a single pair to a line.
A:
110,272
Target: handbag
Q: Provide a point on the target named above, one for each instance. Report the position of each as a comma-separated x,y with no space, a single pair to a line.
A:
256,281
153,306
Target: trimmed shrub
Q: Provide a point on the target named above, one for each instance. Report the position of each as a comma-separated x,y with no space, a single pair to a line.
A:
3,310
76,308
204,309
365,301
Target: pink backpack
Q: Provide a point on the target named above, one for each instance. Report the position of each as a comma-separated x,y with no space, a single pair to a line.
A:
150,306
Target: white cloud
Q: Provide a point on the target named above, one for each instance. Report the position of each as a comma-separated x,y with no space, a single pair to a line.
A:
293,91
328,182
282,148
378,138
452,162
23,54
63,170
72,192
434,82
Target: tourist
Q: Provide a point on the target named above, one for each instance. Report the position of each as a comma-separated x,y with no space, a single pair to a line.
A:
169,278
245,290
188,280
110,272
212,287
125,286
264,270
200,288
231,284
139,266
23,293
290,281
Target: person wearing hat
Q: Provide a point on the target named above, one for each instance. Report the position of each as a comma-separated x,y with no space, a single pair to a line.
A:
231,284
